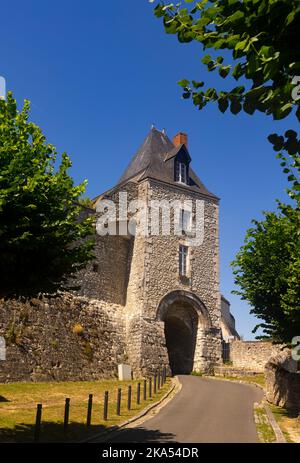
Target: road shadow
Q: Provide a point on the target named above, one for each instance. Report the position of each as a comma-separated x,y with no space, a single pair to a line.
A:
50,432
53,432
3,399
141,434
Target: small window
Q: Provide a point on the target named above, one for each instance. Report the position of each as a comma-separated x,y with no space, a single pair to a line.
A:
181,172
185,220
183,260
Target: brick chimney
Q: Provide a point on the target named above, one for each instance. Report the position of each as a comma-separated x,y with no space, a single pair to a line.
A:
180,138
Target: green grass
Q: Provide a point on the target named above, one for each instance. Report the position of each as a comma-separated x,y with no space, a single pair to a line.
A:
288,422
252,379
264,429
18,408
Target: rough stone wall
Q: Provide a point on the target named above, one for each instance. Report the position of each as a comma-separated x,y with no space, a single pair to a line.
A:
106,277
62,338
162,269
282,381
227,321
154,351
251,355
116,305
161,275
135,298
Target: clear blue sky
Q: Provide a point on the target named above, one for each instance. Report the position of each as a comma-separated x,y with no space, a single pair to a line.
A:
99,73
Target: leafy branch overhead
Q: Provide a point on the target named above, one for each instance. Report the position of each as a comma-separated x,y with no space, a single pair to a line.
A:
263,39
267,267
258,46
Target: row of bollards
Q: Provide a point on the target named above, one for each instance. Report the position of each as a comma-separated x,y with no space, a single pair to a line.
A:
152,386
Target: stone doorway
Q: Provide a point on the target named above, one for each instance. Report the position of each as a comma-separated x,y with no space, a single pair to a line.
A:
181,326
185,323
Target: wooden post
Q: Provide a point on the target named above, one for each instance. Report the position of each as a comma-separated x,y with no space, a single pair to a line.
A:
38,419
119,397
67,413
105,406
138,394
129,398
145,389
89,410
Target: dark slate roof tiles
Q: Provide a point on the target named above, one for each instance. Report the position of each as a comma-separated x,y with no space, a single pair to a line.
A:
155,159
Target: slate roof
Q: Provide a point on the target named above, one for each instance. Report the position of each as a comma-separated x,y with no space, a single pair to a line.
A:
155,159
150,154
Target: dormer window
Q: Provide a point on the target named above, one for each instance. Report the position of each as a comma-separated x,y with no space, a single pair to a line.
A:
181,172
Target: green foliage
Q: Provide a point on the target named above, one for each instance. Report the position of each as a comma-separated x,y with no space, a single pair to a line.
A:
13,333
267,267
42,240
262,37
88,350
264,429
228,362
196,373
86,202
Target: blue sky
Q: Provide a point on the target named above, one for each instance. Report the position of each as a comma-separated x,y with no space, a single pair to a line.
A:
98,74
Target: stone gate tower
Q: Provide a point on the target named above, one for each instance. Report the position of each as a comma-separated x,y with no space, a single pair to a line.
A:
164,288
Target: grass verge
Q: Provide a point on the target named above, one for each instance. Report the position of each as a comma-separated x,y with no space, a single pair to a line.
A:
288,421
252,379
18,408
264,429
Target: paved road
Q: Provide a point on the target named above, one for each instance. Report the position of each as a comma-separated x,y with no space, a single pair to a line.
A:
205,410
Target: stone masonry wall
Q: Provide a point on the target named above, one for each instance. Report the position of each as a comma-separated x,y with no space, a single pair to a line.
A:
283,381
162,270
106,277
113,314
62,338
161,275
251,355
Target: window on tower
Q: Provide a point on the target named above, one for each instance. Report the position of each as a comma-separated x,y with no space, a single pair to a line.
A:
185,220
183,260
181,172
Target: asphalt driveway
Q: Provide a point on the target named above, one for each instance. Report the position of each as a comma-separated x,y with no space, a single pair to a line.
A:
205,410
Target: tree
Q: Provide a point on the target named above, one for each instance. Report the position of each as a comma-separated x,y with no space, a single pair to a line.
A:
261,35
42,240
267,267
259,39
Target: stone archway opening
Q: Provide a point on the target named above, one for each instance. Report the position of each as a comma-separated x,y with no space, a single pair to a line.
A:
181,326
185,318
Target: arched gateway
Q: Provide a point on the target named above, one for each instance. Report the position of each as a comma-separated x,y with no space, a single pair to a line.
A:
185,317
